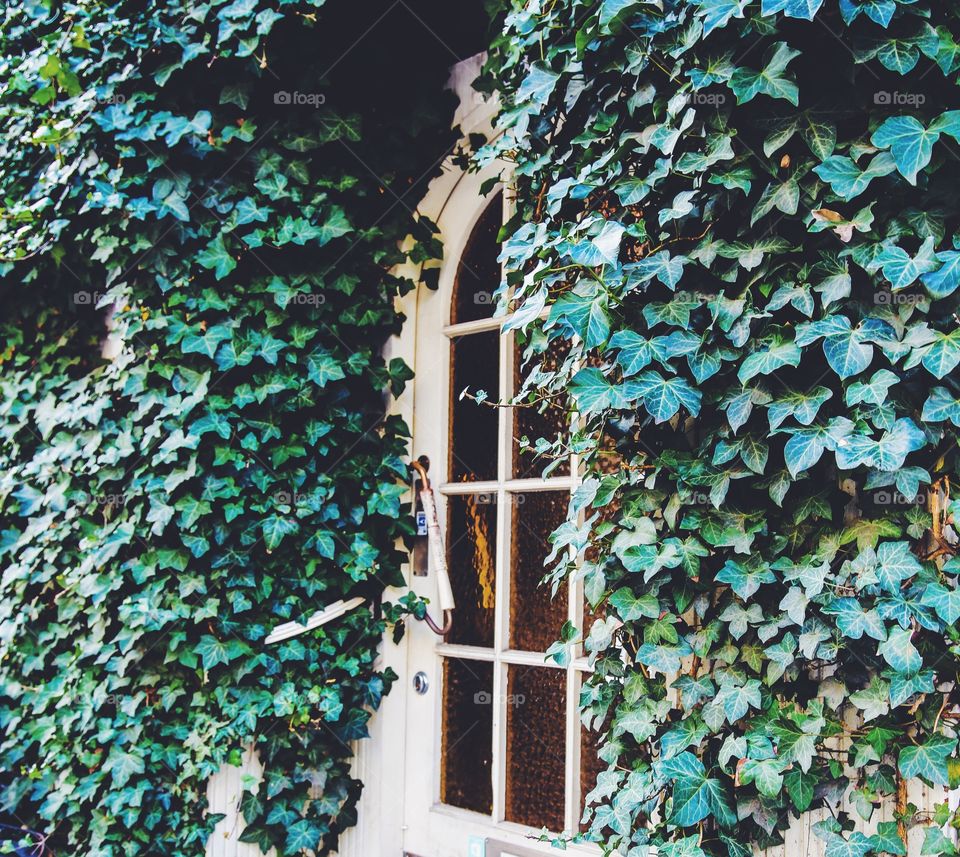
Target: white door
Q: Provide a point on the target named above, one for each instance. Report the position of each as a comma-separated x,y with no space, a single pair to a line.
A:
493,747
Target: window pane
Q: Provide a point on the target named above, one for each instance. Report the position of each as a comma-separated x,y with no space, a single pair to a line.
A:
530,423
478,273
471,549
474,427
591,767
535,617
466,779
536,721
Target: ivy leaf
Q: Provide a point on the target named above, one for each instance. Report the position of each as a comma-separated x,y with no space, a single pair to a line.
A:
853,621
929,760
909,142
717,13
772,355
538,85
943,355
792,8
800,786
122,764
858,845
666,268
945,601
895,564
902,270
887,839
873,700
603,249
631,607
612,9
698,797
943,282
304,835
772,80
216,257
212,651
847,180
663,397
207,341
898,651
322,367
275,528
844,347
736,701
765,774
784,196
593,393
744,581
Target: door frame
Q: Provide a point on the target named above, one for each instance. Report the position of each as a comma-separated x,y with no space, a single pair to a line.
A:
399,811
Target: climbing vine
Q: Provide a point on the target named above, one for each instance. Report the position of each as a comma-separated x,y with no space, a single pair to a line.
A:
737,228
218,190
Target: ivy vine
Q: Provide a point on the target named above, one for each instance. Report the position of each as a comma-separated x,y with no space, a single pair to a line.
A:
226,186
737,228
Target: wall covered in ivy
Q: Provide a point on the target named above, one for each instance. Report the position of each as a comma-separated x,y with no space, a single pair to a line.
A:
224,186
737,226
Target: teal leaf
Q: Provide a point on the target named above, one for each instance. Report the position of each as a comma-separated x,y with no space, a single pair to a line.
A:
663,397
602,249
322,367
943,355
943,281
275,528
901,269
928,760
898,651
909,142
717,13
847,180
215,256
666,268
538,85
772,80
941,406
792,8
946,602
853,621
770,356
698,797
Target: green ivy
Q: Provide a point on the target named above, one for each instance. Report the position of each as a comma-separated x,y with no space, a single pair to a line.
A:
229,186
737,233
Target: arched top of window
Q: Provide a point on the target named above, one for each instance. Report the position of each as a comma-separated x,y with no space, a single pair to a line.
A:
478,272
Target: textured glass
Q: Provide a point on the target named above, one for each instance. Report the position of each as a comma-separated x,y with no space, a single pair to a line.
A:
530,423
466,770
535,616
590,767
478,272
474,427
471,549
536,718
